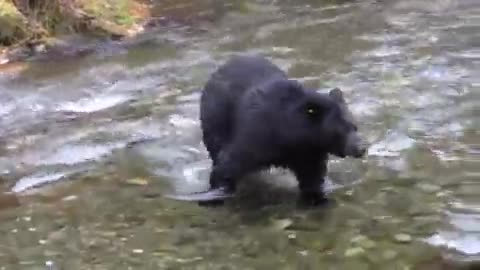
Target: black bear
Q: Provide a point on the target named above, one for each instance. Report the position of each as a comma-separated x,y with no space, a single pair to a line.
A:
253,117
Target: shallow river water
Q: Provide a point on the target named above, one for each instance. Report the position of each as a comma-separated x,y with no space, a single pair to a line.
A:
88,147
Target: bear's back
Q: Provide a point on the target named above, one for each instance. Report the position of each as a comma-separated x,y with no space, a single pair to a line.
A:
242,73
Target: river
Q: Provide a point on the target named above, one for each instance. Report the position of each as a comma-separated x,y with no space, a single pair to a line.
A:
89,146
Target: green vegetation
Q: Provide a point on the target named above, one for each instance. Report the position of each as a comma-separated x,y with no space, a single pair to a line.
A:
13,25
32,21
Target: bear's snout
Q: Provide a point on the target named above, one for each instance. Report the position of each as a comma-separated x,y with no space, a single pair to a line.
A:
360,151
355,146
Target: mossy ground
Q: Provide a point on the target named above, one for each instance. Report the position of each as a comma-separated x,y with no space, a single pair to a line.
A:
35,22
117,17
13,25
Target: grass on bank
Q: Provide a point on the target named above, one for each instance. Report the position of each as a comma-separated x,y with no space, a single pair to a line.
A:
22,20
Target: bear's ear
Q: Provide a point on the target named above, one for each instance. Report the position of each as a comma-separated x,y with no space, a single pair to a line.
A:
337,95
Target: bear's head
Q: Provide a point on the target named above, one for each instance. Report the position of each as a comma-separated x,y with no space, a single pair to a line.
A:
308,119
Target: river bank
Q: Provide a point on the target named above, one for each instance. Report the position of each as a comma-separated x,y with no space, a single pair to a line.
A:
28,28
58,29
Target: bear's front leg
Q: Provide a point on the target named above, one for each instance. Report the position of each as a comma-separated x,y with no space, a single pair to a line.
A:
222,186
230,166
222,178
311,176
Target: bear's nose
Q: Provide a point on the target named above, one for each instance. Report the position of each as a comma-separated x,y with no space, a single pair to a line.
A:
362,149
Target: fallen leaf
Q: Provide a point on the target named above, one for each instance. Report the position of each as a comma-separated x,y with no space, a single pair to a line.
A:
137,181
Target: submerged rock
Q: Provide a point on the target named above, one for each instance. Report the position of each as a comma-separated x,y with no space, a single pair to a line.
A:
353,252
428,188
364,242
403,238
282,224
389,254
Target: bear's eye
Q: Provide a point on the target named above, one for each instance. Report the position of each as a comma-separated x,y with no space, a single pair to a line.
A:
312,110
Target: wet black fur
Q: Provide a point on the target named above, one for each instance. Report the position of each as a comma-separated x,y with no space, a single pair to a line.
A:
253,117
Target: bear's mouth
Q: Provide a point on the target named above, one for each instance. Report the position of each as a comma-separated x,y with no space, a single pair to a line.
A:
355,153
358,154
340,154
